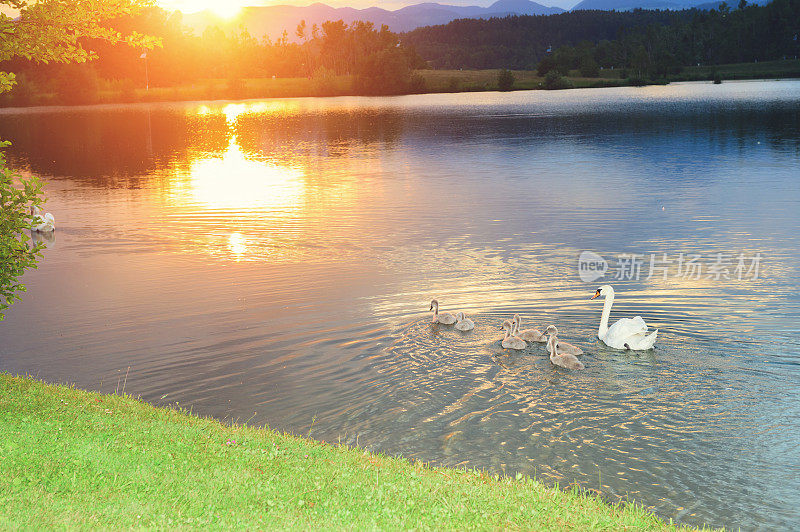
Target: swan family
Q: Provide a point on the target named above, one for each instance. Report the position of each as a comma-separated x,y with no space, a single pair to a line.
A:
42,223
627,333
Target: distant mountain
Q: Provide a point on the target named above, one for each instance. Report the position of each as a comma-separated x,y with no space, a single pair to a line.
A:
273,20
521,7
627,5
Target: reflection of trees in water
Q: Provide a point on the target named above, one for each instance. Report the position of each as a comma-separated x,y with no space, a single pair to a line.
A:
120,147
328,134
721,126
117,148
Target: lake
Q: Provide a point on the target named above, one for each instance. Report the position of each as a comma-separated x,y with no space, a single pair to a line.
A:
273,262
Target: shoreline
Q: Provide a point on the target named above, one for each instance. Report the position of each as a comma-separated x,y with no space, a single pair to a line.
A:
57,107
435,82
81,459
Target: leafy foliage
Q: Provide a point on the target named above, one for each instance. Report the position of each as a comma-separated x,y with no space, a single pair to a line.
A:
505,80
383,72
53,31
335,49
46,31
16,194
554,81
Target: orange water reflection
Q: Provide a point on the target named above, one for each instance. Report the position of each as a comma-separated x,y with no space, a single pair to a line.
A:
260,204
234,181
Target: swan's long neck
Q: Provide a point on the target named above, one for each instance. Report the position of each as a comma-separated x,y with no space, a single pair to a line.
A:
435,310
609,300
552,342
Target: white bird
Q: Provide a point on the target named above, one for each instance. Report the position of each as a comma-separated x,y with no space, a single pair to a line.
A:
444,318
509,340
627,333
566,360
564,348
464,323
42,223
529,335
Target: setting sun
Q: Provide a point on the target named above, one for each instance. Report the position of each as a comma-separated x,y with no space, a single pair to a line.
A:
226,9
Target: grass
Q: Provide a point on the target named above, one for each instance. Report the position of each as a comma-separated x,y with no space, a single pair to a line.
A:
486,80
786,68
473,80
78,459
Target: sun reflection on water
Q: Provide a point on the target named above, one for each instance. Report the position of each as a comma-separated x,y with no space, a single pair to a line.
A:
234,181
231,191
255,199
217,192
237,245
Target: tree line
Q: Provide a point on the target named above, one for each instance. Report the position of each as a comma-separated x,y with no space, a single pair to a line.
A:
374,57
649,42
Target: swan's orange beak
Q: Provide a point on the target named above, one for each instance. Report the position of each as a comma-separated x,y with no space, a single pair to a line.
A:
596,294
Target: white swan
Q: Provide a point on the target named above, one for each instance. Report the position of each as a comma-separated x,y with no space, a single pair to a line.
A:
564,348
565,360
627,333
444,318
40,223
529,335
464,323
509,340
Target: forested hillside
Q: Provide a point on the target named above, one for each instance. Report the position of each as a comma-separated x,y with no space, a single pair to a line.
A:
649,40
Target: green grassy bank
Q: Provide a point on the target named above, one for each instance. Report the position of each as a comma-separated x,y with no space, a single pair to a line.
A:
486,80
433,81
71,458
786,68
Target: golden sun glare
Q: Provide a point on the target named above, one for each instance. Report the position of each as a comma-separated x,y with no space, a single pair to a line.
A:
221,8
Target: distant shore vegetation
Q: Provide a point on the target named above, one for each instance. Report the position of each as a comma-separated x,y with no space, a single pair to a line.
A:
327,83
646,43
576,49
373,60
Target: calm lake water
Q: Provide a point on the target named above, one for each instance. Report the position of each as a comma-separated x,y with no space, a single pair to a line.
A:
273,262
